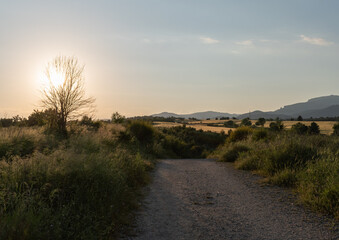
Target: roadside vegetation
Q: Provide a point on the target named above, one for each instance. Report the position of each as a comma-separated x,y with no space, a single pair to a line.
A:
299,158
85,184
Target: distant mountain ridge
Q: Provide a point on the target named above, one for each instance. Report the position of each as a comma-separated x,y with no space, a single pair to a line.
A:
198,115
325,106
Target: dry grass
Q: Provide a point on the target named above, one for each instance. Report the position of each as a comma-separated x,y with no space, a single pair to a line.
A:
325,126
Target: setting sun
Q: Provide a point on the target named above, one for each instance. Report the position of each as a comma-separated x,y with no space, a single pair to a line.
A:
52,76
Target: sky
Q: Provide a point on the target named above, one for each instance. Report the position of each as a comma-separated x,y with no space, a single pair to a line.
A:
182,56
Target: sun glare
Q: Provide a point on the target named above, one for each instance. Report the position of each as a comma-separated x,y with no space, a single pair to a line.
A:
56,78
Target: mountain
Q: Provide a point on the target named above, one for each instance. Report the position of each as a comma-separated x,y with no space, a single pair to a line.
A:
326,106
318,103
260,114
198,115
332,111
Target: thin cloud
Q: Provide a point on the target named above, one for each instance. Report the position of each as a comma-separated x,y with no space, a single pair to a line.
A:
245,43
208,40
315,41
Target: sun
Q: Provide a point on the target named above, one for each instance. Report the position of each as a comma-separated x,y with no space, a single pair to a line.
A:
52,77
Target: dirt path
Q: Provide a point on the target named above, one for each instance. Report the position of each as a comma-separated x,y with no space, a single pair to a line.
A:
202,199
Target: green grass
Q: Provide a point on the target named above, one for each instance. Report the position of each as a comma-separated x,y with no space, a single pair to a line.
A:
81,188
307,163
87,185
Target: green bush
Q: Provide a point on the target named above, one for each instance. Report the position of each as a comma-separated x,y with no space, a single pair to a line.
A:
286,178
81,189
17,146
143,131
246,122
319,184
336,129
289,155
314,128
232,152
299,128
308,163
230,124
277,126
260,134
239,134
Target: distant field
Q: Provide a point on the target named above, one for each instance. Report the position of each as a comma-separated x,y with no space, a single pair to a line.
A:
325,126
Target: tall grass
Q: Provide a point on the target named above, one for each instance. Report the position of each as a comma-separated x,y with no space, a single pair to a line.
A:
81,188
84,186
308,163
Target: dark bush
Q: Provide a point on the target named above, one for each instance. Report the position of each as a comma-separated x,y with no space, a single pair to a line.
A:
261,122
259,134
232,153
246,122
314,128
300,128
18,146
277,126
336,129
291,155
143,131
239,134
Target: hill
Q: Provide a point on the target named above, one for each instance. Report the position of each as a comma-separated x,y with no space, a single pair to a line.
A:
311,105
326,106
198,115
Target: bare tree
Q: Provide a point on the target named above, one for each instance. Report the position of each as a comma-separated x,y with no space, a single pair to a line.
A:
67,98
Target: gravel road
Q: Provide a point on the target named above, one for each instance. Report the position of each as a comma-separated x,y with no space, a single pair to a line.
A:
203,199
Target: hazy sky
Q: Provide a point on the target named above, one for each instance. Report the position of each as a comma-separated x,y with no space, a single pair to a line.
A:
183,56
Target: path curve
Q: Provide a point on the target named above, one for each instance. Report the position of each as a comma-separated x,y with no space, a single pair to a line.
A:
203,199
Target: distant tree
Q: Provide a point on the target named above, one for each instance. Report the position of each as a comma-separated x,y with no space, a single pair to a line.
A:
68,99
299,128
314,128
300,118
117,118
261,122
208,119
230,124
336,129
277,125
246,122
216,118
43,117
6,122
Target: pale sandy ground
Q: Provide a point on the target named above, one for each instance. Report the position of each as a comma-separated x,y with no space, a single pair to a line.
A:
203,199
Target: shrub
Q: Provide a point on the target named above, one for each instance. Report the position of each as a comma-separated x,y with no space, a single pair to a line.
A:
286,178
314,128
239,134
336,129
319,184
259,134
288,155
261,122
142,131
232,152
246,122
117,118
80,191
17,146
277,126
230,124
300,128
